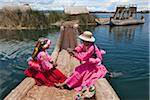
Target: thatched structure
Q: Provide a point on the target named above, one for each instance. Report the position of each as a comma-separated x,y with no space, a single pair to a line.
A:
22,17
125,12
124,15
19,8
76,10
80,13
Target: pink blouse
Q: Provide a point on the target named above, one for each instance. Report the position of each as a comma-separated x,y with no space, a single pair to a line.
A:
84,53
42,63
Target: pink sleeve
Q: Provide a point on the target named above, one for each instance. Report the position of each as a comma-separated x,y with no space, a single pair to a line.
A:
95,60
79,48
99,54
84,55
48,56
103,52
43,60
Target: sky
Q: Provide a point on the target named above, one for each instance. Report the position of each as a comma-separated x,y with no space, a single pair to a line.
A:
92,5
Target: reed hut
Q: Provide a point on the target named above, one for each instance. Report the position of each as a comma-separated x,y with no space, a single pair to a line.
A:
80,13
17,8
75,10
21,17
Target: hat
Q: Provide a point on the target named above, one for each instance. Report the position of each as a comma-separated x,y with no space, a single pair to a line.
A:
87,36
44,42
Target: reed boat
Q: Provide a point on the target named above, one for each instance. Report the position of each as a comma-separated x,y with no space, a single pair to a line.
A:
124,15
103,21
131,21
28,90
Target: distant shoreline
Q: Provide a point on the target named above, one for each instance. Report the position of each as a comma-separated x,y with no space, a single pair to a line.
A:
101,12
144,11
21,28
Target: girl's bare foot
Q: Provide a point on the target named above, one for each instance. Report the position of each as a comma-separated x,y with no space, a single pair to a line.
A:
59,85
62,86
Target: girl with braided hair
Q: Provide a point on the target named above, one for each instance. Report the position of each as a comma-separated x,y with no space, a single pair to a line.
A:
41,66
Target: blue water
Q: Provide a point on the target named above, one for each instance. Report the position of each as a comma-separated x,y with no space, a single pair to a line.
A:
127,56
15,48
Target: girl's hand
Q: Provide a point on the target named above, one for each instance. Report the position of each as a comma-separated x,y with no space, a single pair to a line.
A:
71,51
54,65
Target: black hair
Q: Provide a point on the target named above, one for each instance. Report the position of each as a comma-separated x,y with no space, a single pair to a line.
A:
38,48
94,54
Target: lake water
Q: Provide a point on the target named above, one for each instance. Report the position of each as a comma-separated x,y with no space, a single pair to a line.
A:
127,56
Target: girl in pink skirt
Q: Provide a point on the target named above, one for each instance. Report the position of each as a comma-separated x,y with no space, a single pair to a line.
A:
91,69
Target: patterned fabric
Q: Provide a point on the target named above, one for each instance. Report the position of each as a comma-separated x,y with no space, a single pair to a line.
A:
86,92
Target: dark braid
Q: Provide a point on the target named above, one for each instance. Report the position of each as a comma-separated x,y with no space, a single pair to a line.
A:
94,54
38,48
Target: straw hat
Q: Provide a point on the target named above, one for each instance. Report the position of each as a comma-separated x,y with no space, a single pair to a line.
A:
87,36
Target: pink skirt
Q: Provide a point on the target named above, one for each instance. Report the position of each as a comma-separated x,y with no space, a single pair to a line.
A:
85,75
